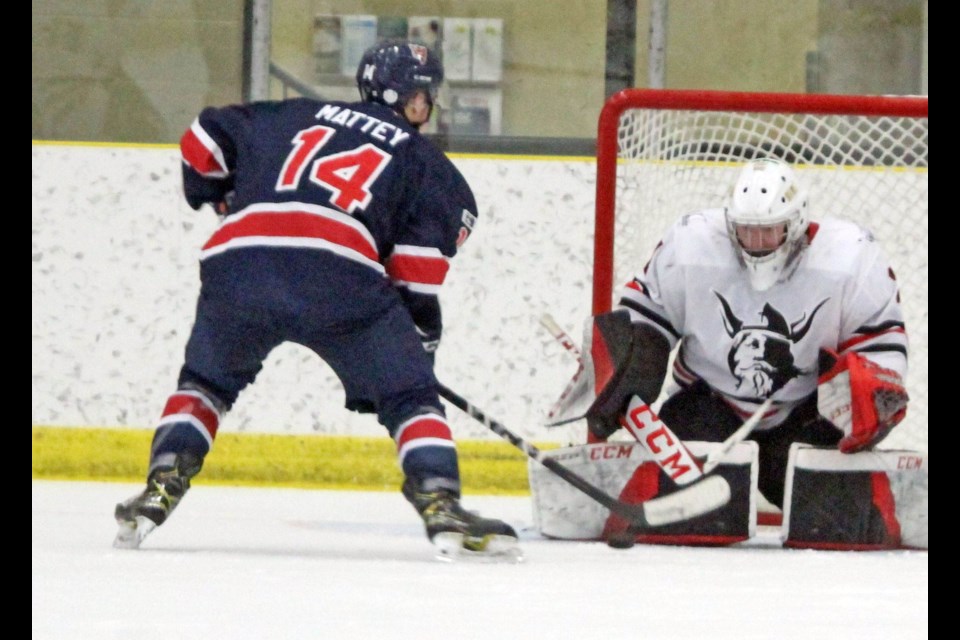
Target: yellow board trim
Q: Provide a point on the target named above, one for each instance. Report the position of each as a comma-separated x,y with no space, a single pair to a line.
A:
305,461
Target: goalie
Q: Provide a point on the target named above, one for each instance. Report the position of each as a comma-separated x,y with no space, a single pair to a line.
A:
763,303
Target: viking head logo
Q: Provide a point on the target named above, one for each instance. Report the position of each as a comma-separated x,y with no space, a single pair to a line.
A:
760,358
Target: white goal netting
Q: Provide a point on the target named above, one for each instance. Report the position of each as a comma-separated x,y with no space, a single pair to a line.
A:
665,153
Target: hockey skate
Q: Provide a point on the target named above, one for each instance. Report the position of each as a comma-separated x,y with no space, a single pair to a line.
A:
146,511
458,533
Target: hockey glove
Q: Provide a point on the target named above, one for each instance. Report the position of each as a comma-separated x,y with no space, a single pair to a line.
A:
225,206
860,398
429,345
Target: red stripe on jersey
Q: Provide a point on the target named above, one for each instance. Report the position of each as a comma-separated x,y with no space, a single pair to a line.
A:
744,414
681,372
182,403
852,342
636,286
198,156
427,426
296,224
418,269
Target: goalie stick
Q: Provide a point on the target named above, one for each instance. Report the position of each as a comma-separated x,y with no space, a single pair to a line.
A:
645,426
715,456
702,497
547,321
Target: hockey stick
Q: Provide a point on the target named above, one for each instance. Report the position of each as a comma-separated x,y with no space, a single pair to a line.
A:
717,455
703,497
547,321
671,455
557,332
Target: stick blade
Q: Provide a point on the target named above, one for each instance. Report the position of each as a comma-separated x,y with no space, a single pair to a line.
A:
692,501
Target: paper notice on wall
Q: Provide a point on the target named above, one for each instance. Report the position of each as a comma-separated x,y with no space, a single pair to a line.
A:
456,48
474,111
326,44
359,33
487,63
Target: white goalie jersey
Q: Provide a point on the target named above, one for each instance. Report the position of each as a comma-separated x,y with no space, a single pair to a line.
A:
749,345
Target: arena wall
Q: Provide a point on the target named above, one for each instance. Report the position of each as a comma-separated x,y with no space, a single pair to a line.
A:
115,281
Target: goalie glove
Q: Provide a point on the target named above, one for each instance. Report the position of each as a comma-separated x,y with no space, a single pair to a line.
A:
860,398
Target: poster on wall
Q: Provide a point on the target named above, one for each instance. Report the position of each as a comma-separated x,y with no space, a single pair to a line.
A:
326,44
487,54
359,33
456,45
473,111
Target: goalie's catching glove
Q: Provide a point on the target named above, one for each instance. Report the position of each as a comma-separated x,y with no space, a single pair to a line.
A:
860,398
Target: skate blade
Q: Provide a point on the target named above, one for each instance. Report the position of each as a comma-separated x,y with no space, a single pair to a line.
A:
131,534
453,547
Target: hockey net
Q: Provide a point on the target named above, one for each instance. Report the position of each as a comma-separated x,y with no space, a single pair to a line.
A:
664,153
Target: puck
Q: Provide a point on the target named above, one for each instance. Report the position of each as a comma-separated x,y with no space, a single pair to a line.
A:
621,540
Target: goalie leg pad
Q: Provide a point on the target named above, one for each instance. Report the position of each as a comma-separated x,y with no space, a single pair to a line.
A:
626,469
866,501
729,524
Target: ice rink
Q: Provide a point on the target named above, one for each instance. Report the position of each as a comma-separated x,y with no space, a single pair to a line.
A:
284,563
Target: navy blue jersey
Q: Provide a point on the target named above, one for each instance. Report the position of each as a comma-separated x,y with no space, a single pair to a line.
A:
327,204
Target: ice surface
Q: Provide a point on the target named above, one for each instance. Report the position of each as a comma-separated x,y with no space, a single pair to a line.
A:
239,563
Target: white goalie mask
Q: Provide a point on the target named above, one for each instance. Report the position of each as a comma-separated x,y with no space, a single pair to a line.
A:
767,220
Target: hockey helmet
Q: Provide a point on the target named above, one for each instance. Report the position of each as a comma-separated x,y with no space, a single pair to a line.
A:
391,72
767,220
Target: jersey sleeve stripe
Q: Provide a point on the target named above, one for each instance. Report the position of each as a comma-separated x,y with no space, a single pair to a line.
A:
422,269
892,339
200,151
655,319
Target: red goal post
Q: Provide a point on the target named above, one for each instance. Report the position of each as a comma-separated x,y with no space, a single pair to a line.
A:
663,153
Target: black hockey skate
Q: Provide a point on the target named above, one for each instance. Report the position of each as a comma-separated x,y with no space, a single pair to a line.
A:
146,511
457,532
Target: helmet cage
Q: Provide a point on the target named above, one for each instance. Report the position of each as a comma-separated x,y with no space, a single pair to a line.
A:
765,196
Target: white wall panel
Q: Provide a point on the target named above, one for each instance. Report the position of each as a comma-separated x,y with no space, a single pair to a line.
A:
115,280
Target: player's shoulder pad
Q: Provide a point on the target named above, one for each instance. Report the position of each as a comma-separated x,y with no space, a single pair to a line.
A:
842,243
697,236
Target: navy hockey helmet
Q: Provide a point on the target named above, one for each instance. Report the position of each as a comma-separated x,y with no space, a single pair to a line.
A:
391,72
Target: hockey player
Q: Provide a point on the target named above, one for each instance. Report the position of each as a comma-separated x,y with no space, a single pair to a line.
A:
763,303
339,221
